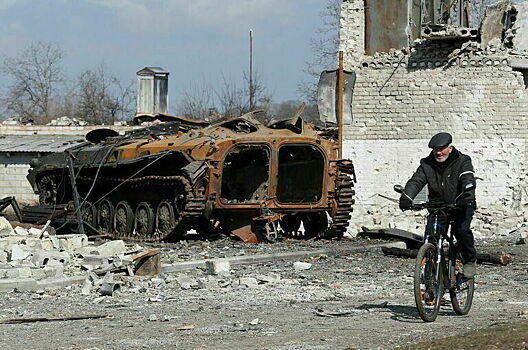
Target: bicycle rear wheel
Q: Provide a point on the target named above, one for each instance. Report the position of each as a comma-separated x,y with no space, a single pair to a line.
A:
462,293
428,285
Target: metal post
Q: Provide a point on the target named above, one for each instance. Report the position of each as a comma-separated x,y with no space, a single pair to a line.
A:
340,86
251,92
75,193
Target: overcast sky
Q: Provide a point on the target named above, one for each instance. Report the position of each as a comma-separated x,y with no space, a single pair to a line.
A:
195,40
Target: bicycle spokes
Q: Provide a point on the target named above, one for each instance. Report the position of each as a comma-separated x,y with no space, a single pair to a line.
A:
428,288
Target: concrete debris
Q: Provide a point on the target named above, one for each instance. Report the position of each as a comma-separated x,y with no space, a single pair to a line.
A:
299,266
111,248
34,257
67,121
5,227
186,282
218,267
249,282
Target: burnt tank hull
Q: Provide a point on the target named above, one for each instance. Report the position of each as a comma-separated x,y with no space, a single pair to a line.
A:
158,183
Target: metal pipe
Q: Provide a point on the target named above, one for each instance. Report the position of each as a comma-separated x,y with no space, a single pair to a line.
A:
76,200
340,86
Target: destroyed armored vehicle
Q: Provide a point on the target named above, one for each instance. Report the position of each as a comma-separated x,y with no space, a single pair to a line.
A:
159,182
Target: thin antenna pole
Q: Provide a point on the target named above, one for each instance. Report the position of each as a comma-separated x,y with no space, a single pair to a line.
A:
251,92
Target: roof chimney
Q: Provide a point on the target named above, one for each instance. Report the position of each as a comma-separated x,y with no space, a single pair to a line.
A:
153,87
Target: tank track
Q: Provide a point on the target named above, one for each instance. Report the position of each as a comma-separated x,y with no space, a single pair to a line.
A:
345,200
194,202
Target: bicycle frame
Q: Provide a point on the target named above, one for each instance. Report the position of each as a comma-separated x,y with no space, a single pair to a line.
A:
440,234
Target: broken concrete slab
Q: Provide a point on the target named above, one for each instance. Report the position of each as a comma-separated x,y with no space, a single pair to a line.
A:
18,252
492,25
72,242
111,248
46,257
5,227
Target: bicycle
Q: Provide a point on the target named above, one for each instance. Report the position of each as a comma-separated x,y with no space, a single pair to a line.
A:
437,270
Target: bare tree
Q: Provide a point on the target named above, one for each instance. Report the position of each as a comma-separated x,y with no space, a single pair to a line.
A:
198,102
102,99
228,100
324,45
35,72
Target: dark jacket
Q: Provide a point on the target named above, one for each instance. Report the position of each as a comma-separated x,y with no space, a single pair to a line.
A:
445,181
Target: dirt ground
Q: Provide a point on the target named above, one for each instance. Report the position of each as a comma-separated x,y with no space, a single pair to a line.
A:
274,306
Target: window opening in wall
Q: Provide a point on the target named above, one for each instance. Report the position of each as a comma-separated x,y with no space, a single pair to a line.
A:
245,175
301,171
525,75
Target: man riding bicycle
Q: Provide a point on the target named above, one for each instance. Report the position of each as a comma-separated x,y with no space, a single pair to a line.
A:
446,171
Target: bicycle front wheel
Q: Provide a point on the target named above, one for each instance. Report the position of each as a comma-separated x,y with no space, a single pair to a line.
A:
428,285
462,293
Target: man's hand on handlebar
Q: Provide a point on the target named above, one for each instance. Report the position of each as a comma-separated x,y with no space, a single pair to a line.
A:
405,203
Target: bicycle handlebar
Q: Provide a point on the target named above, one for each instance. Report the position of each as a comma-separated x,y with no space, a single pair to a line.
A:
433,206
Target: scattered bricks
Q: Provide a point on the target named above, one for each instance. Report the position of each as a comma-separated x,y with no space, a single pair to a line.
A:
21,284
18,253
72,242
5,227
299,266
111,248
218,267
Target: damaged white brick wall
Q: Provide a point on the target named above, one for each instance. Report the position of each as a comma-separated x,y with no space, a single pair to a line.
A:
400,100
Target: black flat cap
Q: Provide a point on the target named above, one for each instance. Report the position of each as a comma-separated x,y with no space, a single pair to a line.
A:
440,140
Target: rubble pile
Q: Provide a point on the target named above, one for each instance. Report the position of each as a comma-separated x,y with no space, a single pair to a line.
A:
31,258
67,121
491,221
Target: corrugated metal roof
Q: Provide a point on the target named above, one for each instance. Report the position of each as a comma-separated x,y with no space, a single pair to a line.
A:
42,144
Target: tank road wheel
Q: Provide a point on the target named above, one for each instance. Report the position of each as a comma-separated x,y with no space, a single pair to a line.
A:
144,220
89,213
47,188
165,219
123,219
315,224
105,215
290,224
